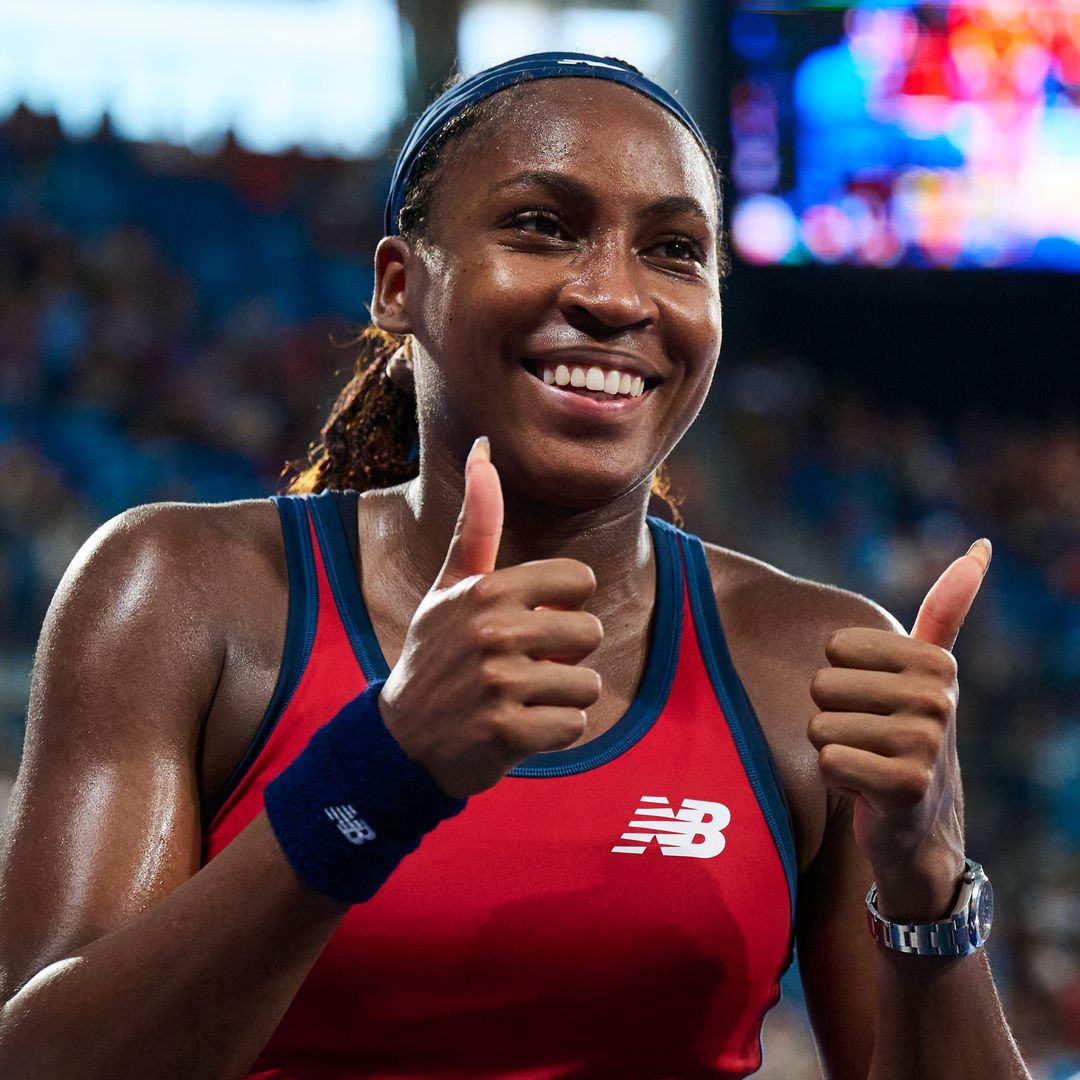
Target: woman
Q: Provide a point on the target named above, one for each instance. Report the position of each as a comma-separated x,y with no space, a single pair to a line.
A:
381,898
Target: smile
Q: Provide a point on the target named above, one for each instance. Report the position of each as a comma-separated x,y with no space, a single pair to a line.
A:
583,390
590,380
609,380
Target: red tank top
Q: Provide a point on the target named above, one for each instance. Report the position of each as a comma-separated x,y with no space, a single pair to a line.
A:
619,909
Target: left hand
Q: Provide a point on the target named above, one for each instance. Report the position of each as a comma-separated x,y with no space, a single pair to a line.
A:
886,734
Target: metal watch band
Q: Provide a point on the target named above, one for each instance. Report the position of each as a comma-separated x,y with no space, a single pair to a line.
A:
952,937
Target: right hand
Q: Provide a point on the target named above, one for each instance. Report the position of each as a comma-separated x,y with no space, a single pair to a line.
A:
489,672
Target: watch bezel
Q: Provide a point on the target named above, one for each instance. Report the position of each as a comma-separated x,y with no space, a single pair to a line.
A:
979,923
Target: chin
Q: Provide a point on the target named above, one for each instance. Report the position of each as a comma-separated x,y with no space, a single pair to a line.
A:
573,486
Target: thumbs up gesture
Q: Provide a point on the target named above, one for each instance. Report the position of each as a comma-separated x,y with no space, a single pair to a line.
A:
490,672
886,733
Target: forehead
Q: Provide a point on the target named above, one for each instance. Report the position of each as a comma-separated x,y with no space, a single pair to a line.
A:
619,141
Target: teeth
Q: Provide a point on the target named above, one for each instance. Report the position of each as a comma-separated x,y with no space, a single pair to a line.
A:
594,378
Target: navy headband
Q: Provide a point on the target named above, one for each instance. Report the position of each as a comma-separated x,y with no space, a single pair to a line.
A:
546,65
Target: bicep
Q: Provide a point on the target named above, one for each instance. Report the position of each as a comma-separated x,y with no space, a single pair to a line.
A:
104,818
836,951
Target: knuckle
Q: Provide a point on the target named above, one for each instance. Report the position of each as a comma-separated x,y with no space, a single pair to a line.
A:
494,637
935,702
829,758
947,664
594,634
501,728
838,641
493,678
913,785
923,743
819,684
576,723
584,574
592,685
485,589
817,731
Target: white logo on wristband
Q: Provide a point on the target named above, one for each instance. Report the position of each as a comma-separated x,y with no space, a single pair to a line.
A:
355,829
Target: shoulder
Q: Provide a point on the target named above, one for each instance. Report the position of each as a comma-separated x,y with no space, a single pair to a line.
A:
166,575
176,541
796,614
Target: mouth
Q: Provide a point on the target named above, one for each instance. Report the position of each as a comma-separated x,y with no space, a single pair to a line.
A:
605,383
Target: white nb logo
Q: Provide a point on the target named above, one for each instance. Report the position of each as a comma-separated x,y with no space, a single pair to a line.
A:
355,829
695,830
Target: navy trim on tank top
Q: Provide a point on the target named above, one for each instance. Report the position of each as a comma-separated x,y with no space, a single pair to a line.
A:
300,625
343,574
345,504
655,686
642,712
742,721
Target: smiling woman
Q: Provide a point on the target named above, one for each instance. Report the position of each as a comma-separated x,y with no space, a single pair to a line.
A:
537,786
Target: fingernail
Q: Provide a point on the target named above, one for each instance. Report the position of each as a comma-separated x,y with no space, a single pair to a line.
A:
983,550
481,451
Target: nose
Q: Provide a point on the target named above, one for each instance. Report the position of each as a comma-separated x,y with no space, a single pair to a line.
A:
609,292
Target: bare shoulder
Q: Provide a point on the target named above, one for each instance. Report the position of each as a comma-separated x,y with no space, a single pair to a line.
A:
152,587
193,548
777,626
791,609
196,534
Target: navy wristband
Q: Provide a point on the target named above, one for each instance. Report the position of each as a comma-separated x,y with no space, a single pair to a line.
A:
352,805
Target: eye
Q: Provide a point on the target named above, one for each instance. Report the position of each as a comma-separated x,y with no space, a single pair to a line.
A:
537,221
681,248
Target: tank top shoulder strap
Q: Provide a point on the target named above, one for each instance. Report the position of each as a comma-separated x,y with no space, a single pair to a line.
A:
742,721
345,504
333,514
301,624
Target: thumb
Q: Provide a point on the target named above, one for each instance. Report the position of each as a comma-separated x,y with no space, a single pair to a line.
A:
950,597
475,543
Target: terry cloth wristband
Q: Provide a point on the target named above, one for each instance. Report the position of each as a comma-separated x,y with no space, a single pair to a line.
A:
352,805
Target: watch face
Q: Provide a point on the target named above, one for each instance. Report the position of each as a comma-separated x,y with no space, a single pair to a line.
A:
984,909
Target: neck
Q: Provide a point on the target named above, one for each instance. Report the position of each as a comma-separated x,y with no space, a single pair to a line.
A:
612,539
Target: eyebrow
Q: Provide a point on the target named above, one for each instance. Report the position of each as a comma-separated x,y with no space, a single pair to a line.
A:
567,187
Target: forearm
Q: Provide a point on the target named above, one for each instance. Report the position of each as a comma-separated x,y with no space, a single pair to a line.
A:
194,987
940,1019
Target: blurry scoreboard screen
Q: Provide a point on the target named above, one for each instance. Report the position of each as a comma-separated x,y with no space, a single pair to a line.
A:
903,134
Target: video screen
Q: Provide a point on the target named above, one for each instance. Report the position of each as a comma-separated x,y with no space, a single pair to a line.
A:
905,134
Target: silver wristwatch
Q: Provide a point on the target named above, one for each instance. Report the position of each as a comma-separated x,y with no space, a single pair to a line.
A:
964,931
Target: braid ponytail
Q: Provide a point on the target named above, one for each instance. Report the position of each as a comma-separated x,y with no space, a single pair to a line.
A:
370,439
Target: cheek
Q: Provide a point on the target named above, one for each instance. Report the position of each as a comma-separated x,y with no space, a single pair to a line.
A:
694,332
492,303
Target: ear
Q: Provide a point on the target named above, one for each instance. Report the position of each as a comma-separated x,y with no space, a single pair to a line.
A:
394,263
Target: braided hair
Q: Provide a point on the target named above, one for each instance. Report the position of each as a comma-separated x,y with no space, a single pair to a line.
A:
371,437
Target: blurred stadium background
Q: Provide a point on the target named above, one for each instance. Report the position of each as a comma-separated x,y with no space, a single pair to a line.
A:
191,190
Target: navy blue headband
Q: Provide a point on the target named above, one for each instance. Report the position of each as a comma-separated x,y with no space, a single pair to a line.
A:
547,65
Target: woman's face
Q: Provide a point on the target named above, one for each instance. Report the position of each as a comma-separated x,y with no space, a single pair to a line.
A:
575,229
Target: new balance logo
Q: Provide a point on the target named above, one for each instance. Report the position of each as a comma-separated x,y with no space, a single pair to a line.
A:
695,830
355,829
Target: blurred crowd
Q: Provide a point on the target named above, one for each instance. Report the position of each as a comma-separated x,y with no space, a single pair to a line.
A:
175,325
